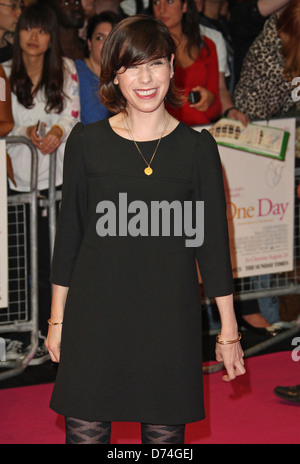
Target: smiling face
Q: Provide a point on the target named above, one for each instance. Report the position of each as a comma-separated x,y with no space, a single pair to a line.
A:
137,65
34,41
97,41
144,86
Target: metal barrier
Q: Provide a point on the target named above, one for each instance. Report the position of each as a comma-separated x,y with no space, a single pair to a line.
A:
50,202
22,312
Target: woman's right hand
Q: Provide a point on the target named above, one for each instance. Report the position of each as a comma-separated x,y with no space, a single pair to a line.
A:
33,136
53,342
206,101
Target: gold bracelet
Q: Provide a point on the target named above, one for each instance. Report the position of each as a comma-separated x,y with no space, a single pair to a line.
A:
228,342
53,323
60,130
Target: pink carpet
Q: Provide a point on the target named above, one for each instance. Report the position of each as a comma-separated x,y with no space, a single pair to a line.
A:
243,412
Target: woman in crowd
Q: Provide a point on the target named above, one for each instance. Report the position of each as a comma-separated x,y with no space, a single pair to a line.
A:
196,61
266,87
44,88
126,315
265,90
89,69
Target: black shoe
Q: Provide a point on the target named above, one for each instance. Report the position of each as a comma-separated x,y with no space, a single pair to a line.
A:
258,330
288,393
270,331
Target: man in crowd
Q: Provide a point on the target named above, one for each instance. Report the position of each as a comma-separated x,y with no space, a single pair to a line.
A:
10,11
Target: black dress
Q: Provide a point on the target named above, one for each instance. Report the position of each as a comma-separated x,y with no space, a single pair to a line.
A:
131,342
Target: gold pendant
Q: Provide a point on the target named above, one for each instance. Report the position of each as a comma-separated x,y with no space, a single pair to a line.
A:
148,171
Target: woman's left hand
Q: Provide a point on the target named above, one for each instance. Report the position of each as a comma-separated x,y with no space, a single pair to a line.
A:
51,141
207,98
233,358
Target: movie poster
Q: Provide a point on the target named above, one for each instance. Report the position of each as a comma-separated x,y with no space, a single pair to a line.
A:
260,207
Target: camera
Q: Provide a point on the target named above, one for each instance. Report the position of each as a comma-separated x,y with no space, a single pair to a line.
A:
194,97
41,129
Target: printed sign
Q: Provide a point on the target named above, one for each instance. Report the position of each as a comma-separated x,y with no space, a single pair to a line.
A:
254,138
260,207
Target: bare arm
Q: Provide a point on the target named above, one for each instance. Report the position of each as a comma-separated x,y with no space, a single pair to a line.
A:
53,342
268,7
231,355
227,102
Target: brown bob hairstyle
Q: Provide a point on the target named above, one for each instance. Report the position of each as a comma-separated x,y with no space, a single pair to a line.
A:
134,40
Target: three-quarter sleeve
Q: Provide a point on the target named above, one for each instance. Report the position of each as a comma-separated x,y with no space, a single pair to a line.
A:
73,212
213,256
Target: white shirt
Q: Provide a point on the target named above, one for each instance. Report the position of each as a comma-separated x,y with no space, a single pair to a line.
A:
23,117
220,44
129,6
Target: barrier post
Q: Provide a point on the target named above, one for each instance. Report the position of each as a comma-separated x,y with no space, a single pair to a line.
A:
29,324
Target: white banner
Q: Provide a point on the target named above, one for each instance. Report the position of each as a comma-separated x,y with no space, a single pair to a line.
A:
3,228
260,207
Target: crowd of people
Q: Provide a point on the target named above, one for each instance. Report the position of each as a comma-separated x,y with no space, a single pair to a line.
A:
218,67
234,58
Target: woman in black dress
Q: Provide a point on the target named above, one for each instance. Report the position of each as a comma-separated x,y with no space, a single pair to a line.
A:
125,322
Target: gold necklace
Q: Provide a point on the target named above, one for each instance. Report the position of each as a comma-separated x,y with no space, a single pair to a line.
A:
148,170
